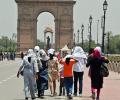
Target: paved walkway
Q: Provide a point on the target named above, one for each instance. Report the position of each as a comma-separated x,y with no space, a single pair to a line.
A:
11,88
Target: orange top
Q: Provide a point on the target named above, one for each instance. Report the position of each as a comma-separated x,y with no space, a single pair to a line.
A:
68,72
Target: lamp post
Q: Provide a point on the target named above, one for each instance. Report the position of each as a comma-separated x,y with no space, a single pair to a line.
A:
78,35
108,44
97,30
103,35
90,21
82,27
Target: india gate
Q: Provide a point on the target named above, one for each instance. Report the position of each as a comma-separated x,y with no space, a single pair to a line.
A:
28,12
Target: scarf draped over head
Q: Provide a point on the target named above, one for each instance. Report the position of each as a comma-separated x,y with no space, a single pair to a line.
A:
99,49
30,53
79,53
51,51
37,51
43,55
97,52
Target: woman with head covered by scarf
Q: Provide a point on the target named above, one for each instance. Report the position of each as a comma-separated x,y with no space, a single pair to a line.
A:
78,69
42,81
95,61
29,67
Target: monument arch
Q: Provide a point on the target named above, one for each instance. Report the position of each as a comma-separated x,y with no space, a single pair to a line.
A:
46,27
29,10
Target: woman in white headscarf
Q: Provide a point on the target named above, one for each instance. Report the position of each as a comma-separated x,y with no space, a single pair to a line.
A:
78,68
42,81
29,68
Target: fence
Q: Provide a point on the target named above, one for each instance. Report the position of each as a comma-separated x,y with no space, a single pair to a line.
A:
114,63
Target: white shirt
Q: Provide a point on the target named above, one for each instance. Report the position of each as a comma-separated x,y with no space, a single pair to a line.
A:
79,66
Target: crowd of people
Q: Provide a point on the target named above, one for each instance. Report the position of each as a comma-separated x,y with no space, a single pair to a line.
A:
7,55
42,69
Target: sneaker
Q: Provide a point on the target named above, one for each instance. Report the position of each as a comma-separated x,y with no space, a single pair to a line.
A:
80,94
51,95
70,96
33,98
75,94
55,94
26,98
60,94
41,97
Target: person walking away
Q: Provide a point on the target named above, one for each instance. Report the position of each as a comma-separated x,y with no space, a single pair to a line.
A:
89,72
22,55
1,56
53,72
38,59
29,68
78,69
68,74
62,86
95,61
42,81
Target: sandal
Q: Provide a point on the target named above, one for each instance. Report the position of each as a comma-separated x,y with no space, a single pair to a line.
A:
55,94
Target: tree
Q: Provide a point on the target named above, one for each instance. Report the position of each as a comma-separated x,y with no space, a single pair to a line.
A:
86,45
114,44
7,44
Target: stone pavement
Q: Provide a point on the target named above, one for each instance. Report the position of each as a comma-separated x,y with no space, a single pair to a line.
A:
110,90
11,88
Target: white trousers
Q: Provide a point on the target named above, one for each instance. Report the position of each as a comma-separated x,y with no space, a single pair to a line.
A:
29,84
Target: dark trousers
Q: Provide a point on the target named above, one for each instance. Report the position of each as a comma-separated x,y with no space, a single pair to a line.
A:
68,81
40,93
62,87
78,76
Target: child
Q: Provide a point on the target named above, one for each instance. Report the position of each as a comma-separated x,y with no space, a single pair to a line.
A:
68,74
61,87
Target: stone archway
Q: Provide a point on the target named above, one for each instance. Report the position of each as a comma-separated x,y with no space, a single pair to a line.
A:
29,10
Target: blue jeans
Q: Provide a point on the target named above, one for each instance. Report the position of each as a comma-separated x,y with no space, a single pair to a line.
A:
68,82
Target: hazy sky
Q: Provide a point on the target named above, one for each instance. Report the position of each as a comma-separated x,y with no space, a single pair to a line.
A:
82,10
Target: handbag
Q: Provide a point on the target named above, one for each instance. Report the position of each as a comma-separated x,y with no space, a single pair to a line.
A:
104,72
